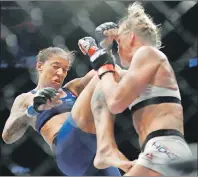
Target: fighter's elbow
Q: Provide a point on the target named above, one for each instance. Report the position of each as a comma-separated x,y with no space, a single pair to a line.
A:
6,139
115,107
8,142
114,111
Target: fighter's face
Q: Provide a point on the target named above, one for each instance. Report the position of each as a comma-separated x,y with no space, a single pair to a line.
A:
53,71
124,41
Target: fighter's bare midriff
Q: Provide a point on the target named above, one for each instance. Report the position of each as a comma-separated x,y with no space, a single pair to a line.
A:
156,117
160,116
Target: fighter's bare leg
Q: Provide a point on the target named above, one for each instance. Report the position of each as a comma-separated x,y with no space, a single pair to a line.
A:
107,151
83,116
138,170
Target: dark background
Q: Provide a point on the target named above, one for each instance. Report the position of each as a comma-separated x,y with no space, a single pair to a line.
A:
27,27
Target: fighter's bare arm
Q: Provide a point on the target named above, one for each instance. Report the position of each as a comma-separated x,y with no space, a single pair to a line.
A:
18,122
77,85
119,95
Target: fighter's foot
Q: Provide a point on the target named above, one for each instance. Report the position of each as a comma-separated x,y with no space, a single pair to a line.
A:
114,158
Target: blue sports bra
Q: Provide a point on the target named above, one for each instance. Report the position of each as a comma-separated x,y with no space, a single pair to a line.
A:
66,106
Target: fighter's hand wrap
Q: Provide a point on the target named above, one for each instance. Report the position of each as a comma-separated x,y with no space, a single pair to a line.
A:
88,45
102,62
31,112
42,96
100,37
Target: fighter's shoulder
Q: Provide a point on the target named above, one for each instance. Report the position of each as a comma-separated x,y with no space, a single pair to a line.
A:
149,54
22,98
72,85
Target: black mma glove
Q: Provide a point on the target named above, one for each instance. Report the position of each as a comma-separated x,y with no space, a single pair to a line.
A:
101,38
42,96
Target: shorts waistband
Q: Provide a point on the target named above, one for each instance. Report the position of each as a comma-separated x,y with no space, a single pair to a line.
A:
162,132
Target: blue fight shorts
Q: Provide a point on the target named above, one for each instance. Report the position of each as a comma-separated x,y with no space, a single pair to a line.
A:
75,151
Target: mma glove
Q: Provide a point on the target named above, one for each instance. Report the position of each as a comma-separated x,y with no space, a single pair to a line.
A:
88,46
40,98
100,60
101,38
